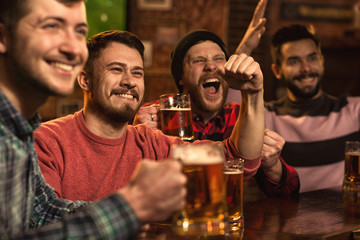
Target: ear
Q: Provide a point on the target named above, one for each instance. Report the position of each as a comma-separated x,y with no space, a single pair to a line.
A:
83,81
276,71
2,38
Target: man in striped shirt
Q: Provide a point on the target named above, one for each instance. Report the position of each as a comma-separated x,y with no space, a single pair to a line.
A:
314,124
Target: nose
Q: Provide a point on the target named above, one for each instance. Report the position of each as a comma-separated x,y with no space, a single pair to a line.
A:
210,66
305,67
72,46
127,81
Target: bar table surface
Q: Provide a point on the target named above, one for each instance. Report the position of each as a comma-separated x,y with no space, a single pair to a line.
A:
322,214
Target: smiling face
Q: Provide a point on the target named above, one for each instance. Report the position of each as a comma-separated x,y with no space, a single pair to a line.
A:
302,67
48,47
116,88
208,90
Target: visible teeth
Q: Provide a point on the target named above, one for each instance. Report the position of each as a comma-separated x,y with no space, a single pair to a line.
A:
62,66
126,96
212,80
307,79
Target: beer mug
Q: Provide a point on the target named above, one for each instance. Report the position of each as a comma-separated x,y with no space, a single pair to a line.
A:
175,115
205,212
234,179
352,166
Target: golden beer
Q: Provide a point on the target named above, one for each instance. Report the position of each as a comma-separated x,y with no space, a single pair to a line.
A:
177,122
205,212
352,166
234,180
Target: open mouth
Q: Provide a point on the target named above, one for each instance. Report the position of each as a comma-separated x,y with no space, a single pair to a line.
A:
211,85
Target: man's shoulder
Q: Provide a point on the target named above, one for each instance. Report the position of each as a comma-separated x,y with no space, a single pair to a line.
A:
58,125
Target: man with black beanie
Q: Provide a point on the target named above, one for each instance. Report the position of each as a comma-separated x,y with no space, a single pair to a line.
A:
196,59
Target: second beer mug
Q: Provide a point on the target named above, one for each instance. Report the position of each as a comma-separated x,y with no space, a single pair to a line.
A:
175,115
234,178
352,166
205,212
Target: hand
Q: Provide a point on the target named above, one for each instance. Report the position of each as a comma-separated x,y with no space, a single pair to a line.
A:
156,190
270,154
243,73
149,115
254,31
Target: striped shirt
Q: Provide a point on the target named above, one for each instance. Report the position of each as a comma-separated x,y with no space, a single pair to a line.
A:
27,203
315,134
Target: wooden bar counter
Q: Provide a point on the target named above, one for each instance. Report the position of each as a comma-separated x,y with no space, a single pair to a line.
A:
323,214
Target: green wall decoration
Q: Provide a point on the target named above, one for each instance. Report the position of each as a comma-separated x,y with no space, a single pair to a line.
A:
105,15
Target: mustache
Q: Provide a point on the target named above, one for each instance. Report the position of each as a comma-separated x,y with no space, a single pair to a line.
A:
126,91
306,75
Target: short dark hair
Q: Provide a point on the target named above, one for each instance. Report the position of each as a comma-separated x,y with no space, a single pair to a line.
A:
102,40
11,11
291,33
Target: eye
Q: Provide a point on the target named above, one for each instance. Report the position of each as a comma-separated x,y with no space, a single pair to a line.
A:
138,73
51,26
219,59
116,69
199,60
82,31
293,61
313,58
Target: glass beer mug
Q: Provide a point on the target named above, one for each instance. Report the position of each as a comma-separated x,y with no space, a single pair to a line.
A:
175,115
205,212
352,166
234,180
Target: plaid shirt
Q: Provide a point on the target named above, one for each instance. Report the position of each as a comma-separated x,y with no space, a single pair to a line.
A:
27,203
220,128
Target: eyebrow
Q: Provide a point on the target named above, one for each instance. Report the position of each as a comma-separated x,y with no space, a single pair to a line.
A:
124,65
297,57
62,20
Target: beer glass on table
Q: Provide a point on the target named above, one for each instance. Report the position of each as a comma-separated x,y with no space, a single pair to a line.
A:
175,115
234,175
205,212
352,166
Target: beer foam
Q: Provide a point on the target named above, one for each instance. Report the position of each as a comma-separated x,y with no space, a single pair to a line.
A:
233,171
198,154
353,153
175,109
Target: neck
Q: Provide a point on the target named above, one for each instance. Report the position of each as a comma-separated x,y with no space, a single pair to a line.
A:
25,98
206,116
294,98
101,126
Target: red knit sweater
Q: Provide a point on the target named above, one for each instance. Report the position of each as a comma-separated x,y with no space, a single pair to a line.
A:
83,166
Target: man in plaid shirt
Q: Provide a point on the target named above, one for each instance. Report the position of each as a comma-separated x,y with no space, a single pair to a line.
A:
42,50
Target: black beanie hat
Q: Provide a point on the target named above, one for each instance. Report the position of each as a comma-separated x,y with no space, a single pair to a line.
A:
184,44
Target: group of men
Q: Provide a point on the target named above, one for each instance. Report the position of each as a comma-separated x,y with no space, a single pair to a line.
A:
96,155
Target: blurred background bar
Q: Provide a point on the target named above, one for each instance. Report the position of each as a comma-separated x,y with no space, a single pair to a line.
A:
159,23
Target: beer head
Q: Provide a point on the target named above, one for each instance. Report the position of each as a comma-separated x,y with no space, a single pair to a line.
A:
198,154
175,101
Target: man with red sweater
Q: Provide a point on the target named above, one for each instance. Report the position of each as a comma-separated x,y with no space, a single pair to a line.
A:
89,154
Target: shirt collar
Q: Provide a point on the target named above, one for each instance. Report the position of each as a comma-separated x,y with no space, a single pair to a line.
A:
218,119
14,120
